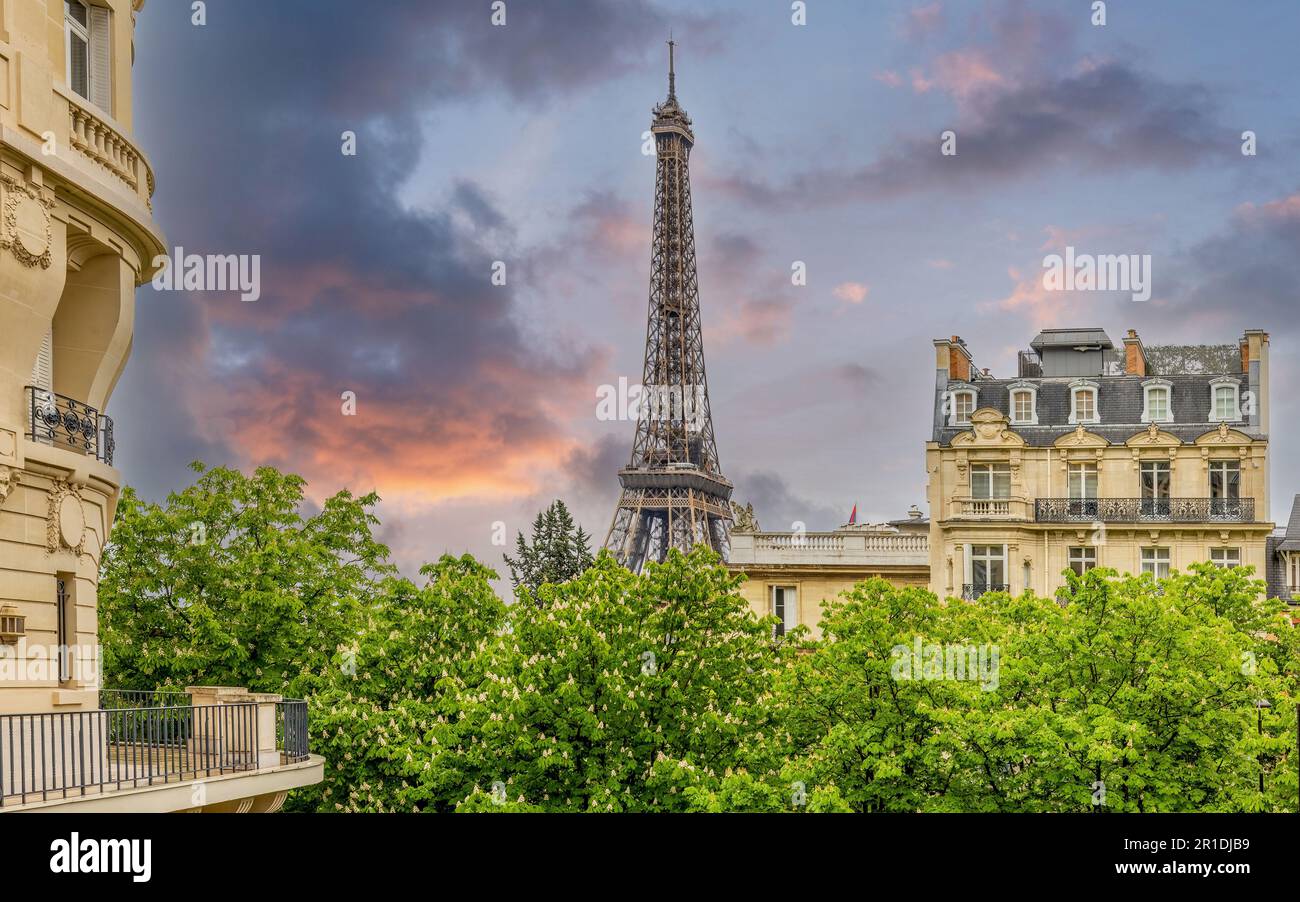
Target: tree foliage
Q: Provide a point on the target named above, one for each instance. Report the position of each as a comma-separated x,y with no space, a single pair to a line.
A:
662,691
560,550
228,583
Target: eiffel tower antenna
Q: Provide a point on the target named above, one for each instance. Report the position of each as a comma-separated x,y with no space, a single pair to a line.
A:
672,75
674,494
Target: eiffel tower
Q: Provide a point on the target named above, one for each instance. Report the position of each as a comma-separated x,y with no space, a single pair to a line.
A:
674,494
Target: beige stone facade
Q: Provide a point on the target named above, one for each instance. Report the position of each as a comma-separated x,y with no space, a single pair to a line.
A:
1135,459
77,236
793,574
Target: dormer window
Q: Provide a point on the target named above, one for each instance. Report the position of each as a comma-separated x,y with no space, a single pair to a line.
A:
1158,401
963,405
88,46
1023,404
1225,400
1083,402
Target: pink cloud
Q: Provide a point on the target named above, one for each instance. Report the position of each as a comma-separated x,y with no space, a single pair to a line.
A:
853,292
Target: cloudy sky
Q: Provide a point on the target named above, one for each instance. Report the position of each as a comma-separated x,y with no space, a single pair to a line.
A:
817,143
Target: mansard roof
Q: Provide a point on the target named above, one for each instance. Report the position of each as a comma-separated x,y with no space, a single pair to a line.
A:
1120,404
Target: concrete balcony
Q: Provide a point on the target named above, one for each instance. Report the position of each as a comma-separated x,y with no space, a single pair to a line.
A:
1011,509
846,548
205,749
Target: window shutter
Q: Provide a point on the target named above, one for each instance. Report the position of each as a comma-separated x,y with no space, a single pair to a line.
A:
101,59
43,371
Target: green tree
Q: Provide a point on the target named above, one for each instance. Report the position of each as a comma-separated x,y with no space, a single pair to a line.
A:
385,691
619,692
560,551
229,583
1136,695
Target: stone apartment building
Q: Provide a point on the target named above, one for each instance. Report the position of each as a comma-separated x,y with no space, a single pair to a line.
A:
792,574
77,236
1142,459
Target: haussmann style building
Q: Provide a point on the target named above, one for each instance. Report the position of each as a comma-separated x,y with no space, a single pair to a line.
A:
792,574
1141,459
77,236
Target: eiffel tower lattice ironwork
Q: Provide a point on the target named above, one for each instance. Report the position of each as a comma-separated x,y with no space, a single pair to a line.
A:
674,494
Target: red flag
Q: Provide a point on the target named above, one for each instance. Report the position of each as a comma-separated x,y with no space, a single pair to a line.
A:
853,517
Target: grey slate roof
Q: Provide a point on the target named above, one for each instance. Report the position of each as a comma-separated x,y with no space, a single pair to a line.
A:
1276,575
1291,542
1120,401
1070,338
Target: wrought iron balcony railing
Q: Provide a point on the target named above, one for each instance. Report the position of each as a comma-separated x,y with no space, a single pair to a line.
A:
973,591
139,739
68,423
1145,510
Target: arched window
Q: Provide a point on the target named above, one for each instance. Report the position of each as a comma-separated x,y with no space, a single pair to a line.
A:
1157,401
1083,402
961,406
1225,400
1024,404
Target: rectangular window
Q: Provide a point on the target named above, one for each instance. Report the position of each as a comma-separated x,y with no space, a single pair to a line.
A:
1295,573
1023,408
77,22
88,42
1082,484
1082,559
785,607
1156,478
990,481
988,569
1156,562
1225,479
62,615
963,407
1225,490
1083,481
1225,557
1225,403
1085,406
1157,404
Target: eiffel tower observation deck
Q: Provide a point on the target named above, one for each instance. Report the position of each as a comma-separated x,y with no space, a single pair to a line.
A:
674,494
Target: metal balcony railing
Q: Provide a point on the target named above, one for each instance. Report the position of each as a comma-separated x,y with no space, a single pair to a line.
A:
973,591
1145,510
137,739
67,423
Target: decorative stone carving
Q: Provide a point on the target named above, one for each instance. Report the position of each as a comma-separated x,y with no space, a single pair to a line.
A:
26,228
65,525
9,477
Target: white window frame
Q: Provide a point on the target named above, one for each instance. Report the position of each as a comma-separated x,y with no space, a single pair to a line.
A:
72,27
788,615
1294,559
1027,388
1224,467
954,418
1083,470
1083,555
97,34
1153,559
1219,557
1153,385
1077,388
987,471
1229,383
993,553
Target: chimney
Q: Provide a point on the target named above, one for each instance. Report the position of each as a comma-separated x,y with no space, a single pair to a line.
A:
959,360
1254,360
914,512
1135,356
